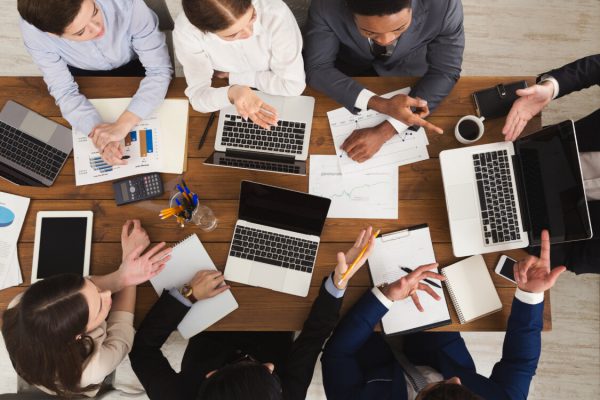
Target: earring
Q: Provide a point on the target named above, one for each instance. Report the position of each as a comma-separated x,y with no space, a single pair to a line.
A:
78,337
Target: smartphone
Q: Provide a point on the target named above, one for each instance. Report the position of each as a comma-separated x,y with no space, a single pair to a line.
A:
505,268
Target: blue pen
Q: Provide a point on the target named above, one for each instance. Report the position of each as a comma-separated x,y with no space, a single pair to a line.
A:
180,188
178,202
187,190
195,199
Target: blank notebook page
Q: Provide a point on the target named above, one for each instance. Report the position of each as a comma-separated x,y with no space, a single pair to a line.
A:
471,289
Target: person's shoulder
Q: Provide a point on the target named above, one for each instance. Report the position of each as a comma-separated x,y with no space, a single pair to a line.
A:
185,29
118,6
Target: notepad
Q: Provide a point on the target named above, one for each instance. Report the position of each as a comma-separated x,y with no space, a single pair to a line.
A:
471,289
187,258
410,248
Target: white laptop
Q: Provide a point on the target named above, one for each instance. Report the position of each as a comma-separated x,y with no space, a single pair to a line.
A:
500,196
276,238
283,148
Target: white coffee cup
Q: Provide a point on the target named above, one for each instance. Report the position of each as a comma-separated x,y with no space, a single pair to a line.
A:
477,121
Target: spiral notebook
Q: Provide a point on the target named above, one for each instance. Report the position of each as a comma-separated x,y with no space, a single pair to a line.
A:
471,289
187,258
410,248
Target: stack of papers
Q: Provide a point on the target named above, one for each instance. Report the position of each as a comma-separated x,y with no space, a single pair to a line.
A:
12,214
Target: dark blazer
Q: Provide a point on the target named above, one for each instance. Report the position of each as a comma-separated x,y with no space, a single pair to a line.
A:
358,364
294,362
432,47
584,256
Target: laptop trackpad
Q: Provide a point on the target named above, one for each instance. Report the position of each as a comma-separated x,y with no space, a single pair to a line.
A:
267,276
463,202
38,127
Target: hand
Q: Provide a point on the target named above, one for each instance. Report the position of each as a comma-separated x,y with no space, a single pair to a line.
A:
249,105
208,283
133,235
533,274
365,236
362,144
399,107
409,284
221,75
104,134
138,268
113,154
529,104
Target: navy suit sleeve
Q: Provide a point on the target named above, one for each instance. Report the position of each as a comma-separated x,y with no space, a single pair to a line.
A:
444,57
577,75
321,47
521,350
342,374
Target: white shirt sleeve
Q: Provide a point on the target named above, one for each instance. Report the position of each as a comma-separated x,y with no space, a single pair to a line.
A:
381,297
198,70
362,103
554,83
529,298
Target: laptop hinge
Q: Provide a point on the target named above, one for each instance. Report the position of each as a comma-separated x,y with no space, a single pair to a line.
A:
260,156
521,193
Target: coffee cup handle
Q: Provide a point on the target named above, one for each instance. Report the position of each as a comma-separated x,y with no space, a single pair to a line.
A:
482,118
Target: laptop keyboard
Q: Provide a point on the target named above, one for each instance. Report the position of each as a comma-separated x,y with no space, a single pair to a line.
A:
274,249
262,165
286,137
29,152
496,197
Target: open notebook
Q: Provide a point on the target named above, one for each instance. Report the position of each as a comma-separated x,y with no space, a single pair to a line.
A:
407,248
471,288
187,258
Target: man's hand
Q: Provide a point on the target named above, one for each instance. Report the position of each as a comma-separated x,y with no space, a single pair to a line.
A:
409,284
399,107
138,268
133,235
530,103
208,283
113,154
249,105
344,260
534,274
362,144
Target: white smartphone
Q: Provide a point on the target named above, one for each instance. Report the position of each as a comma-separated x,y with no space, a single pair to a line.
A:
505,268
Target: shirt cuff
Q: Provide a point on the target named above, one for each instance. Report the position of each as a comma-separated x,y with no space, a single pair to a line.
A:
529,298
86,124
400,127
243,78
175,293
362,101
554,83
332,290
387,303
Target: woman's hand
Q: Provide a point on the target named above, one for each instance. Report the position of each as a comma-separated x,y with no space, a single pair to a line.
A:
208,283
345,260
138,268
249,105
133,235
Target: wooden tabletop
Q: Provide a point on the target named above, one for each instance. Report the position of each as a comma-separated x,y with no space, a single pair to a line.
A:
421,200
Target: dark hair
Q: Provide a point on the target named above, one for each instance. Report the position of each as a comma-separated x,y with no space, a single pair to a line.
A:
245,380
377,7
450,391
51,16
214,15
40,334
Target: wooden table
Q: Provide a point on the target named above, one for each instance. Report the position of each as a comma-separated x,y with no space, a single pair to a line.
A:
421,199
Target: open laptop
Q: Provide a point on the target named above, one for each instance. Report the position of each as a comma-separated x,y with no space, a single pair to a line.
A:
33,149
276,238
500,196
283,148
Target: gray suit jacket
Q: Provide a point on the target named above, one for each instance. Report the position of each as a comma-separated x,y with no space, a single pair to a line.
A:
432,47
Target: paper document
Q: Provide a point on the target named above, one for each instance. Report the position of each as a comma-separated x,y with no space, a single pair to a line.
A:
156,144
369,194
402,149
12,215
409,248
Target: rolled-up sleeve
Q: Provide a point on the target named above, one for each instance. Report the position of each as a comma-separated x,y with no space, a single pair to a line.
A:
150,45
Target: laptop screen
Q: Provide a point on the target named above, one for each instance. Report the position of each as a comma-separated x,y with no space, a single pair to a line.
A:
283,208
553,185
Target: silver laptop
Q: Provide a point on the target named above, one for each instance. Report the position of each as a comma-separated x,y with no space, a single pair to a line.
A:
500,196
276,238
283,148
33,149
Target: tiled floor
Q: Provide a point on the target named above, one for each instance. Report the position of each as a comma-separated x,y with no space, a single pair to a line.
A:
508,37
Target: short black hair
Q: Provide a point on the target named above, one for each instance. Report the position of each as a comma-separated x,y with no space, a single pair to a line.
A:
51,16
241,381
450,391
377,7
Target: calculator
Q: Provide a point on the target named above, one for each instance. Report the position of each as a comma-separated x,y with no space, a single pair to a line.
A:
137,188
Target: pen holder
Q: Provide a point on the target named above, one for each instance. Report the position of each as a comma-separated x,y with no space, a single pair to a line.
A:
201,215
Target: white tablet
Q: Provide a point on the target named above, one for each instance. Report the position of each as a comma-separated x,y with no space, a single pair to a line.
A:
63,241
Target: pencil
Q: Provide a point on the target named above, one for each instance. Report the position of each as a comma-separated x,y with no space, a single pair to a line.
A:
409,270
357,259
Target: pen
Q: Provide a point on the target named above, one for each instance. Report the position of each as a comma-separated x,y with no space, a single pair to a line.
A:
125,158
357,259
409,270
195,200
211,119
182,192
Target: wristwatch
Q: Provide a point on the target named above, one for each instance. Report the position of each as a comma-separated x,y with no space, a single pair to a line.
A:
187,292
